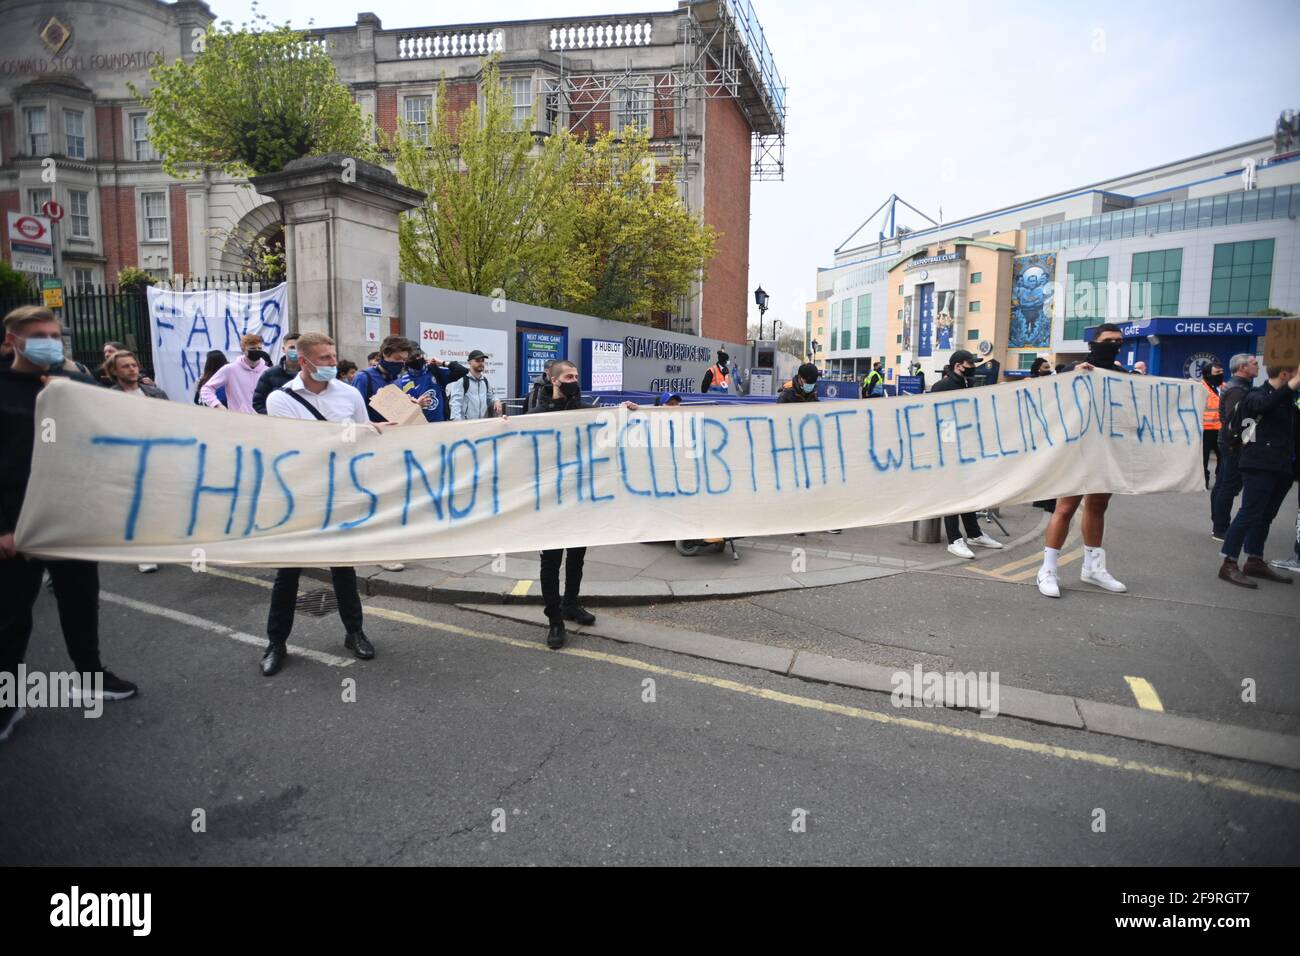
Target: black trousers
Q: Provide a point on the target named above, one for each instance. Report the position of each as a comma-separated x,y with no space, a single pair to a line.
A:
971,522
1226,488
284,600
1210,446
76,591
1262,495
551,580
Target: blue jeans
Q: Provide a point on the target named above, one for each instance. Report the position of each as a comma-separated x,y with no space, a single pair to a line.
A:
1262,495
1226,488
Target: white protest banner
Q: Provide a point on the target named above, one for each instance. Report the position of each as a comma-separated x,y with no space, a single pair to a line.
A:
144,482
185,326
453,343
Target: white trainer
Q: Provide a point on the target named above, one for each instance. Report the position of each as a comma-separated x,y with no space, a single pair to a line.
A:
960,549
984,541
1102,579
147,568
1049,585
395,566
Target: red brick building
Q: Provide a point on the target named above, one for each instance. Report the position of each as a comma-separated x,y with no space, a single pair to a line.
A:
700,78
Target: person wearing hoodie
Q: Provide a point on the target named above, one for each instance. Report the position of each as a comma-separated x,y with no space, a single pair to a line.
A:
802,388
1103,354
542,384
278,375
565,394
239,378
36,340
958,375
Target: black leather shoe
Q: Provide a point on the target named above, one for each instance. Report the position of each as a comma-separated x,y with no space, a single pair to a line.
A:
555,636
357,643
273,659
579,616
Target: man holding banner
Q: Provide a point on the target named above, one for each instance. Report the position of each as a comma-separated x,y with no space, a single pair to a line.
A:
36,338
1103,354
315,394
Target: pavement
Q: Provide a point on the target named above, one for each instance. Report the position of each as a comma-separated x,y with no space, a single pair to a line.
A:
649,573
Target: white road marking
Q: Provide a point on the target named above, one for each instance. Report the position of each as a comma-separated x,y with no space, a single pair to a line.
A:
190,620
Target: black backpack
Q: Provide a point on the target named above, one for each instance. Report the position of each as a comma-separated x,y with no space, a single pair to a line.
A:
1234,427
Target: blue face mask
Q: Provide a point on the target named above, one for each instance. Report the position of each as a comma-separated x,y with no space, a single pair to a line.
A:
808,387
393,369
43,352
291,355
324,373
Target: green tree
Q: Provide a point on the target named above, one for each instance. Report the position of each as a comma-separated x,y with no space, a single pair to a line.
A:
14,285
595,228
252,100
492,217
630,237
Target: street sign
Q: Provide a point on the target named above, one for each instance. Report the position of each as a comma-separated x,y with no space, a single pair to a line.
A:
53,210
30,244
372,297
52,293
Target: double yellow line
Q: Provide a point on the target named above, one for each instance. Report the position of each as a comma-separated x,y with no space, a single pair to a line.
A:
1026,569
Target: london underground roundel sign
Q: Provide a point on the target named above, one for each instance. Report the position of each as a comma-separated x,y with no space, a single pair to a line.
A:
29,227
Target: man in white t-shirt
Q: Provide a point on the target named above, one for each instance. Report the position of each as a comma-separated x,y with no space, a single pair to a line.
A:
315,394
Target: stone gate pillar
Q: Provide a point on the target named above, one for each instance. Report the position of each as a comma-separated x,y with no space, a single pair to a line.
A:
340,227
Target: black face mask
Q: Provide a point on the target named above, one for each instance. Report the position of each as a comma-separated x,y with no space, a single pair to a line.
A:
968,372
416,365
1104,353
570,390
1214,381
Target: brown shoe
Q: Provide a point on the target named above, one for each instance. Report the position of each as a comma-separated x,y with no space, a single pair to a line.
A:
1258,568
1232,574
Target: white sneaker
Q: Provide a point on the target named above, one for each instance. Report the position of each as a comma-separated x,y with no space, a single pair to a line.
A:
394,567
1102,578
959,548
984,541
147,568
1049,585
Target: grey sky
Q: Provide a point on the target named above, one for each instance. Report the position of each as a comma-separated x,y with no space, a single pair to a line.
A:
1021,99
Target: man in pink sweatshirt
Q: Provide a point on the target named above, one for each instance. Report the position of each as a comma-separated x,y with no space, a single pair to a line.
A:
239,378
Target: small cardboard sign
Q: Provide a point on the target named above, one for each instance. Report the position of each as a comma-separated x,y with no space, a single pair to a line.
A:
1282,343
396,406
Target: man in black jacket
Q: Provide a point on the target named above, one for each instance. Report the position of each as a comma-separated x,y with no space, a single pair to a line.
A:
540,386
1227,485
802,388
37,342
563,395
1267,463
1103,353
958,375
279,375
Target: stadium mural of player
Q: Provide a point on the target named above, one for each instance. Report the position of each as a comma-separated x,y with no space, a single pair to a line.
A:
944,316
1031,299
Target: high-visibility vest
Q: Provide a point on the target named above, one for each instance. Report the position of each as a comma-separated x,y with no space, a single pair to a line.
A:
1210,421
719,383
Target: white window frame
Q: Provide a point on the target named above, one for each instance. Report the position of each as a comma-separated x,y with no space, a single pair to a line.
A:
70,137
521,110
422,137
141,150
637,89
80,286
35,147
34,207
145,218
73,215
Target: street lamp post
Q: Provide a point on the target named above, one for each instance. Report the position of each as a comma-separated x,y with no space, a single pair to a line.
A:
760,300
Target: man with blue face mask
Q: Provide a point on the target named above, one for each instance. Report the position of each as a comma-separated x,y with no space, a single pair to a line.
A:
34,335
279,375
803,387
315,394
